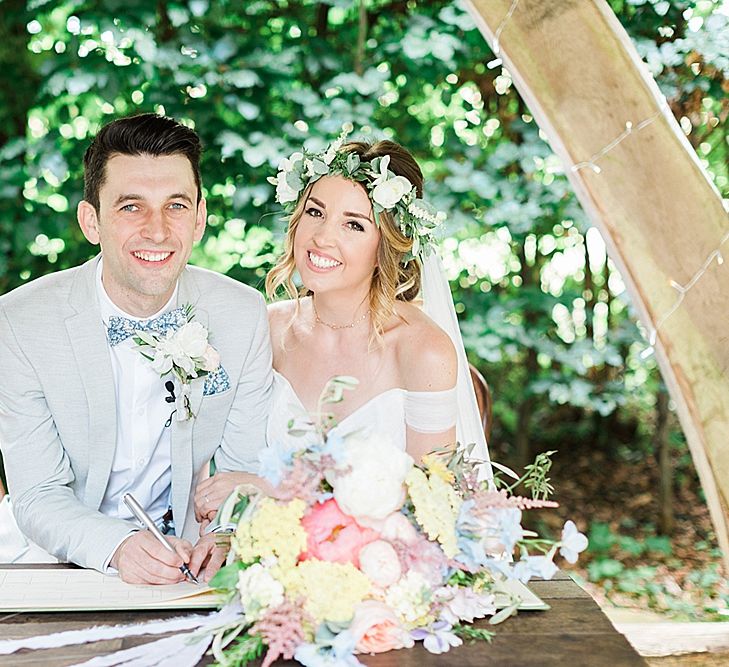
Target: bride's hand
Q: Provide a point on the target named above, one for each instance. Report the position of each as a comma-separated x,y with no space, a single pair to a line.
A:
211,492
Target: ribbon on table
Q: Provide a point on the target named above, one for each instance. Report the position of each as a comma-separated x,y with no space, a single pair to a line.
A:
181,650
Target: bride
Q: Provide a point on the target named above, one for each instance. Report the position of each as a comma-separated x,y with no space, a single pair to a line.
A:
360,240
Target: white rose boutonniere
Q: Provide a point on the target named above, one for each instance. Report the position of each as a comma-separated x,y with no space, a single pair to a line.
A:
184,352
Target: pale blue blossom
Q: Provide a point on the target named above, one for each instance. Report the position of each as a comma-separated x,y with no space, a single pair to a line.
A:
572,543
534,566
274,461
509,527
333,446
330,650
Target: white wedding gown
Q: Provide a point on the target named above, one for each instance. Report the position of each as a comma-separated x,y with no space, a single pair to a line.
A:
388,412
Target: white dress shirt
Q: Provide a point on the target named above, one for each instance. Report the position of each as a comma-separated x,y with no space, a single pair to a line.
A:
142,464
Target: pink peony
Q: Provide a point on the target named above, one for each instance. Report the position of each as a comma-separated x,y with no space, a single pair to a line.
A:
376,628
333,536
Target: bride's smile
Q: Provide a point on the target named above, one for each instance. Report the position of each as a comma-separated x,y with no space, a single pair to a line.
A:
322,262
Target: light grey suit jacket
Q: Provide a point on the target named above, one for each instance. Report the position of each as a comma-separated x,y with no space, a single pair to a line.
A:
58,406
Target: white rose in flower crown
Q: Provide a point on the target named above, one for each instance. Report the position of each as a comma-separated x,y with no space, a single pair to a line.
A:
288,163
210,359
390,192
379,562
284,192
373,487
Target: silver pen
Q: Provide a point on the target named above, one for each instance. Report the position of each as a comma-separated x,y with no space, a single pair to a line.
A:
136,509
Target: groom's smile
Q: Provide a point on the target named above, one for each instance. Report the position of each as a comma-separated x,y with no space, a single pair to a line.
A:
155,257
147,222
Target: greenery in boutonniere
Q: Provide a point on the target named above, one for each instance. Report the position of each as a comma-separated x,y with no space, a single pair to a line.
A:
184,352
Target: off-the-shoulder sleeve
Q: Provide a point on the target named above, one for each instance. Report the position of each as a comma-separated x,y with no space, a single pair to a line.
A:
430,411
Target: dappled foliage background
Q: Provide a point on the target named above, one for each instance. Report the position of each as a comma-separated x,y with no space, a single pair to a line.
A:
544,311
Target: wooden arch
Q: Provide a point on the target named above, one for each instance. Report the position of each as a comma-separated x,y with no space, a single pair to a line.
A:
643,187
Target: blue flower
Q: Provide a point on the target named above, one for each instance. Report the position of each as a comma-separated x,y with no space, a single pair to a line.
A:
274,461
330,650
534,566
333,446
509,527
471,552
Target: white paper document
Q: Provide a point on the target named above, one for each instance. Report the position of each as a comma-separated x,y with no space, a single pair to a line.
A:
76,590
66,589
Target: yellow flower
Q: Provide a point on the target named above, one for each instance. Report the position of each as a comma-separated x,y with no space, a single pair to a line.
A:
330,590
274,530
434,463
436,508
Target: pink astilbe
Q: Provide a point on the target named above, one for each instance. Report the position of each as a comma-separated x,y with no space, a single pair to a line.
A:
488,500
301,482
282,630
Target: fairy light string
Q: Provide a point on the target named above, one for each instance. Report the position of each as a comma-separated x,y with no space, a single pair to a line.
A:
629,130
496,46
591,163
682,291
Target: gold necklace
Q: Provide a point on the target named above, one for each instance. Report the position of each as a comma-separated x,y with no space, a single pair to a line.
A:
338,326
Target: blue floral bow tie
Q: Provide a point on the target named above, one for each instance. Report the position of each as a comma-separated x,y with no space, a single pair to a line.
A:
121,328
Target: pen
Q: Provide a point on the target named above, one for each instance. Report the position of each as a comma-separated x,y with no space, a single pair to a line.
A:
136,509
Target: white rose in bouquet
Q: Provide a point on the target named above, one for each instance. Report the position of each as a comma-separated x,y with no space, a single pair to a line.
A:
379,561
258,591
390,192
373,486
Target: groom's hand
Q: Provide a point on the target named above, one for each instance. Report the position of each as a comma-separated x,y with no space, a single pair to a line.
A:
141,559
208,556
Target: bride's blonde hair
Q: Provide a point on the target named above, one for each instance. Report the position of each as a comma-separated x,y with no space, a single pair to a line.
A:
392,279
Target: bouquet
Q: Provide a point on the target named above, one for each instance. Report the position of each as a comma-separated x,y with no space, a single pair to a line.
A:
361,550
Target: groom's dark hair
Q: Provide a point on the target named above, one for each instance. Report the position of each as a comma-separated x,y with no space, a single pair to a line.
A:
145,134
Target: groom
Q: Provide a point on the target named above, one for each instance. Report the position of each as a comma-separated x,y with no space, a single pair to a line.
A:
83,416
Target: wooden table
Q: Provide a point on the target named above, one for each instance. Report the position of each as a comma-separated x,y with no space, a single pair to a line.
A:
573,633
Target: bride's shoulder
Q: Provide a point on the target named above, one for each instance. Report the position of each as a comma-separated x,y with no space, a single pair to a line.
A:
425,353
280,309
281,315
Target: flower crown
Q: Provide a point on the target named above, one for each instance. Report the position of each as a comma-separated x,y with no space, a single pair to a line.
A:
416,218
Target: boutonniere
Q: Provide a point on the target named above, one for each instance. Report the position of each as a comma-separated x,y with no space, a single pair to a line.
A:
185,352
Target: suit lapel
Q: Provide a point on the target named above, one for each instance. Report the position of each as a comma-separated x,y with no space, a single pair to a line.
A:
182,431
91,351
